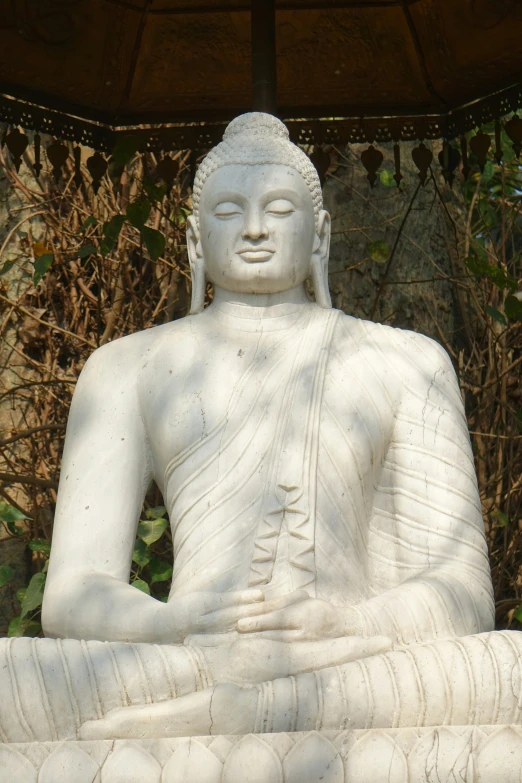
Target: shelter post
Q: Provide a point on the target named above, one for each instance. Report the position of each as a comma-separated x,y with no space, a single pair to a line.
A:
264,69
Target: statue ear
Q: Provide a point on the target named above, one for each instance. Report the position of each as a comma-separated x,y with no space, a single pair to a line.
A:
319,261
197,267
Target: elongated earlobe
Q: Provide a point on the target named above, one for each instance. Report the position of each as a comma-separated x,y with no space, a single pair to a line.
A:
319,262
319,275
197,268
197,275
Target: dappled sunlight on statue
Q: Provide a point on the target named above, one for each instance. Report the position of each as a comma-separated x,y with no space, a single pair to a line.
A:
330,566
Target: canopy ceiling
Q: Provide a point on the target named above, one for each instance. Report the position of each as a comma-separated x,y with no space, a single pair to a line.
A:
86,69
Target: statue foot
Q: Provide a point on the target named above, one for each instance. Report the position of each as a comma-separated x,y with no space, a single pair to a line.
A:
223,709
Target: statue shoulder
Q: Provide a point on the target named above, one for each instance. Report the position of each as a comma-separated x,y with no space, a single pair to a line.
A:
405,357
123,359
417,348
424,367
421,356
133,351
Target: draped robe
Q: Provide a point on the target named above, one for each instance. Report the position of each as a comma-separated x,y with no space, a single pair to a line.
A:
331,454
339,462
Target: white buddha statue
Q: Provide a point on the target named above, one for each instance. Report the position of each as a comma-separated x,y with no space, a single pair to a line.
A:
330,566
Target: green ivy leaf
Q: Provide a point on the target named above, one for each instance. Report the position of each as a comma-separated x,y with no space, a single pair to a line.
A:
139,584
386,177
34,596
138,213
87,250
156,513
513,308
379,251
159,570
6,267
502,519
15,628
6,573
20,627
21,593
480,267
180,216
501,279
13,529
39,545
154,241
141,554
91,221
489,171
517,614
10,516
154,192
31,628
111,232
125,149
496,315
476,265
42,265
150,530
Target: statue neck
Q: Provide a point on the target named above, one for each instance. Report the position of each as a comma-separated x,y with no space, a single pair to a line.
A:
294,296
259,312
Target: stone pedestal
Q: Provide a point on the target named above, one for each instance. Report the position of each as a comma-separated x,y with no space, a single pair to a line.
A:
474,754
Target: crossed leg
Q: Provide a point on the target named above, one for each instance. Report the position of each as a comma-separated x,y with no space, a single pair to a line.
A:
463,681
230,706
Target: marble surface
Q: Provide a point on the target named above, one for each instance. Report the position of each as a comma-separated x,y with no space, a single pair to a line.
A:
330,565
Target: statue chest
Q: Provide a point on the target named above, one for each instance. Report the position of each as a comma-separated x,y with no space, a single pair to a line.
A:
268,468
226,397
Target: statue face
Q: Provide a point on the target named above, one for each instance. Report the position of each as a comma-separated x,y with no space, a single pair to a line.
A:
257,228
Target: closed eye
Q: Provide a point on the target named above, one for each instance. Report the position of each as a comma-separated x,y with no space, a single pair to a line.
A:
281,207
227,209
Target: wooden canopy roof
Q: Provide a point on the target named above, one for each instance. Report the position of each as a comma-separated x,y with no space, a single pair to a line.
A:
86,70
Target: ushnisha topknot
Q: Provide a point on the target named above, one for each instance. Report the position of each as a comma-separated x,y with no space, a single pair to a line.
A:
254,139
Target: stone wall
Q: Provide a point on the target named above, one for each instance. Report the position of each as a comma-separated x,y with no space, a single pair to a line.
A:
412,291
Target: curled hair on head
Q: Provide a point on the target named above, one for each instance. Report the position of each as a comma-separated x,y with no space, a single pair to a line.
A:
254,139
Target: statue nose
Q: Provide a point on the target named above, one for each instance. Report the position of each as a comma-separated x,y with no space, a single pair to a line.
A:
254,226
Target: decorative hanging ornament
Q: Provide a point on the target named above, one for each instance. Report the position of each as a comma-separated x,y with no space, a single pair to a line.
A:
96,166
422,157
465,161
514,131
479,145
321,161
57,154
372,160
37,165
16,143
167,170
449,159
397,157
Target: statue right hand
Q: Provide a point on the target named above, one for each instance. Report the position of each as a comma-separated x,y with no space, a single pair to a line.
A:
211,613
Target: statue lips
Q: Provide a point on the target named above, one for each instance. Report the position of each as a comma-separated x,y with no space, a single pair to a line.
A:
256,254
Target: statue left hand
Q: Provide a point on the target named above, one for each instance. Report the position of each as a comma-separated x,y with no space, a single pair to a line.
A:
311,619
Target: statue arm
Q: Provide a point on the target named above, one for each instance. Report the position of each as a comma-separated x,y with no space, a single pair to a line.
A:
428,555
106,470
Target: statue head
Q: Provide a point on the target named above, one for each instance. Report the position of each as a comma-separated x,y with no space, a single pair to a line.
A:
258,224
